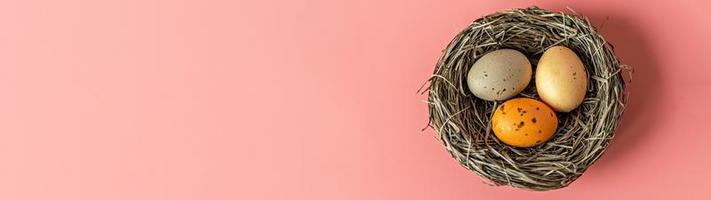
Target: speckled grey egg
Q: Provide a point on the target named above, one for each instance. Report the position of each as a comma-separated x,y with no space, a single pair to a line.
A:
499,75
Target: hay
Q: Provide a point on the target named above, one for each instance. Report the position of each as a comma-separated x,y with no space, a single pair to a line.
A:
462,121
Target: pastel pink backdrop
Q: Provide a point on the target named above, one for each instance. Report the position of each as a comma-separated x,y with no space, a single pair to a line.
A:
316,99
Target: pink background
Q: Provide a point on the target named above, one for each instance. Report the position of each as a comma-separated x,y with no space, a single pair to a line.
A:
263,99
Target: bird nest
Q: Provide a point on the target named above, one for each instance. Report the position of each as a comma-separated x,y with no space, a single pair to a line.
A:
462,120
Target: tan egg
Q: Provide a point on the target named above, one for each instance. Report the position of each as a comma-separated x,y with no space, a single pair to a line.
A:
561,80
499,75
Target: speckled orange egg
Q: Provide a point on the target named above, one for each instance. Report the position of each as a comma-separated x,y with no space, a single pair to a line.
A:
524,122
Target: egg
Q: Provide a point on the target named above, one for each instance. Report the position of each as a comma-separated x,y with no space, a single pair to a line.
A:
524,122
499,75
561,80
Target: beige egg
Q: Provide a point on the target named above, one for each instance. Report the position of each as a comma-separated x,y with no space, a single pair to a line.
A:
499,75
561,80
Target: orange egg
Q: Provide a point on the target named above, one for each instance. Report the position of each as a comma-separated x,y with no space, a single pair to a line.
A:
524,122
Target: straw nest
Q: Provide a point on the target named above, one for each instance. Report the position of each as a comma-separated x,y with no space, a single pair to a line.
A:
462,121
